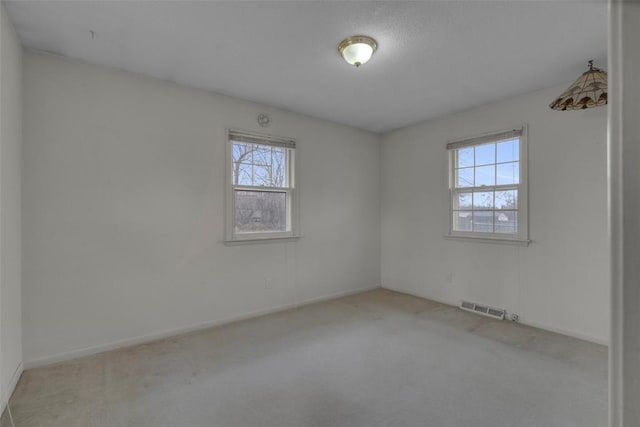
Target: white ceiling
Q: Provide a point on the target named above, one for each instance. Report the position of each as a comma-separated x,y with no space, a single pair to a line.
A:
433,58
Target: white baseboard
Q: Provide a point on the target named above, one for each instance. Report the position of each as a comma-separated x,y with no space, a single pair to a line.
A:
6,395
523,321
573,334
87,351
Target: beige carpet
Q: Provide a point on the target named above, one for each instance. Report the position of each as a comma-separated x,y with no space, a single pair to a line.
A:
375,359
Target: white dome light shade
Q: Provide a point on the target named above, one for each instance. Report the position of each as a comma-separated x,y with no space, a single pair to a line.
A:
357,50
357,53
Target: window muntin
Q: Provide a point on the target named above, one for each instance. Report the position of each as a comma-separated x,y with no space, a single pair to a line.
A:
261,191
487,188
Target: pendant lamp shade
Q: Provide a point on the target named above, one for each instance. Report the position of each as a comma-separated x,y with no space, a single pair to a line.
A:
590,90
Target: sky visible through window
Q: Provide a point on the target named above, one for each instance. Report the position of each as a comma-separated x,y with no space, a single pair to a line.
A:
259,165
488,164
487,178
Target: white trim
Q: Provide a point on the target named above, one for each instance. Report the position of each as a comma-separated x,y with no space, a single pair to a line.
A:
270,239
617,190
261,138
501,135
530,323
572,334
490,238
12,386
87,351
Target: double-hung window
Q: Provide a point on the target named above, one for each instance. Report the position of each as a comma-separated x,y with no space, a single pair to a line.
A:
488,189
261,190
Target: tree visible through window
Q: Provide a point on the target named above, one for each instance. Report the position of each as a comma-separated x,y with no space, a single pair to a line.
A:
486,186
262,185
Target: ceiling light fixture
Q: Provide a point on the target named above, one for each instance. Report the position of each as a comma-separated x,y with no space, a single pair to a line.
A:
590,90
357,50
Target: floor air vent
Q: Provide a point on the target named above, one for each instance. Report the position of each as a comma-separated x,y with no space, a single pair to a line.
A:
496,313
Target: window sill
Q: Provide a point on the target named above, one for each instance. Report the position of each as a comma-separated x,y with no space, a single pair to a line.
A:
255,240
489,239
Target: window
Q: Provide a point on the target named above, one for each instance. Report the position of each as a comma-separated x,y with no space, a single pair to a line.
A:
260,194
487,186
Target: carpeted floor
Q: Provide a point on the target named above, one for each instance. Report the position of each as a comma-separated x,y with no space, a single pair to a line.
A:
378,358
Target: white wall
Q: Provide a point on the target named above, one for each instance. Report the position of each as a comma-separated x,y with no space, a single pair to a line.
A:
10,249
561,281
123,192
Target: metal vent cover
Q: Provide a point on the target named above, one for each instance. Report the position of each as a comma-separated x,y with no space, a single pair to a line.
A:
467,305
496,313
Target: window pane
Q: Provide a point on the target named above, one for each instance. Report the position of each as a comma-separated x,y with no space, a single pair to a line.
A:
462,220
485,175
506,222
262,154
257,211
483,200
464,177
509,151
462,201
508,173
507,199
483,221
262,176
242,174
465,157
279,167
485,154
242,152
259,165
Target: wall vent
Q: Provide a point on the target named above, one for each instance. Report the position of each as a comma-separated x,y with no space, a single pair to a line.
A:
496,313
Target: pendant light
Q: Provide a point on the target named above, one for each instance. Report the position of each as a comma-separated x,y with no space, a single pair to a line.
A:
590,90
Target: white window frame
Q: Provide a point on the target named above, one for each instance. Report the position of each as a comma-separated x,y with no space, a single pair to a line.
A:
291,233
522,235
